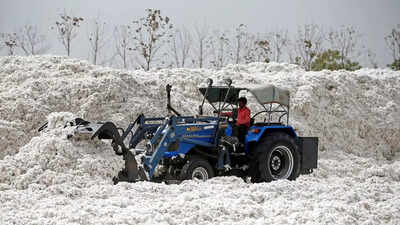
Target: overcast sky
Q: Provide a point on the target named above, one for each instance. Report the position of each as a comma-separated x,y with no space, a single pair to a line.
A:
373,18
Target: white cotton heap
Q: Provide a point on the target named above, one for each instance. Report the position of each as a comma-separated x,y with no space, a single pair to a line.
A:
59,119
337,106
46,178
56,157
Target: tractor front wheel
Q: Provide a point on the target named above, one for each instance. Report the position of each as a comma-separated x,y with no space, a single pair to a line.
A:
277,158
197,168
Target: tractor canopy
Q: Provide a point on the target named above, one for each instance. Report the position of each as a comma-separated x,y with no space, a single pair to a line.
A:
218,94
263,94
270,94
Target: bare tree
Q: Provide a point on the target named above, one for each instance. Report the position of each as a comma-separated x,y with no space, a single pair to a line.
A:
149,35
31,41
393,43
308,44
240,37
346,41
278,41
181,43
97,39
219,47
122,43
9,40
256,48
249,54
67,29
202,46
261,51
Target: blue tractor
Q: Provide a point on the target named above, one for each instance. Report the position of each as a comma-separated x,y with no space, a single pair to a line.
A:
176,147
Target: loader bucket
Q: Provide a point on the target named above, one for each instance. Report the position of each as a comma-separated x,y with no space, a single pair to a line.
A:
132,172
109,131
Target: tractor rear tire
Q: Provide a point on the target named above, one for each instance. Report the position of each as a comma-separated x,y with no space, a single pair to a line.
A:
277,157
197,168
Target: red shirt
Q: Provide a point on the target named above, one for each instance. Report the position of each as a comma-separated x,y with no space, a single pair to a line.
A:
243,117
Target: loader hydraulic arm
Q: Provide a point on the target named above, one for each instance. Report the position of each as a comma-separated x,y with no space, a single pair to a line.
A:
167,132
131,125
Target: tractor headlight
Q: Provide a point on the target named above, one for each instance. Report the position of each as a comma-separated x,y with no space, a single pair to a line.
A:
149,135
149,147
255,131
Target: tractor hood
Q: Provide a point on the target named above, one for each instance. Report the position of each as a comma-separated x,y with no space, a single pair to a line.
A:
263,94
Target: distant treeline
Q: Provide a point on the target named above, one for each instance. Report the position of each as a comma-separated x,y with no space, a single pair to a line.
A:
153,41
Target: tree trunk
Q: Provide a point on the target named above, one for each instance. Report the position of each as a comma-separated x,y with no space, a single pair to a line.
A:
68,46
201,55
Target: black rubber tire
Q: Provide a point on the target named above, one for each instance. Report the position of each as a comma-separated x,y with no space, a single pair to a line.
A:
253,170
198,165
270,148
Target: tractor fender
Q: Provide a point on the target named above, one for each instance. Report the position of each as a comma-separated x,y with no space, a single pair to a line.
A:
256,133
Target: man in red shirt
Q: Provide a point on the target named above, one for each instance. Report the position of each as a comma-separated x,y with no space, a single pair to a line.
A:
243,113
242,121
239,130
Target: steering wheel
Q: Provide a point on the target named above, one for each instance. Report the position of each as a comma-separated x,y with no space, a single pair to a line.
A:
231,121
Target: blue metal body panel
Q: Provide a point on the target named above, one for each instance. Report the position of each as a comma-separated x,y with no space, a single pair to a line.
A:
264,129
190,135
228,130
255,137
188,139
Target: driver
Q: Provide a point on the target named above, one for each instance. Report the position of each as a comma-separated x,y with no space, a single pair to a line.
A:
242,121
